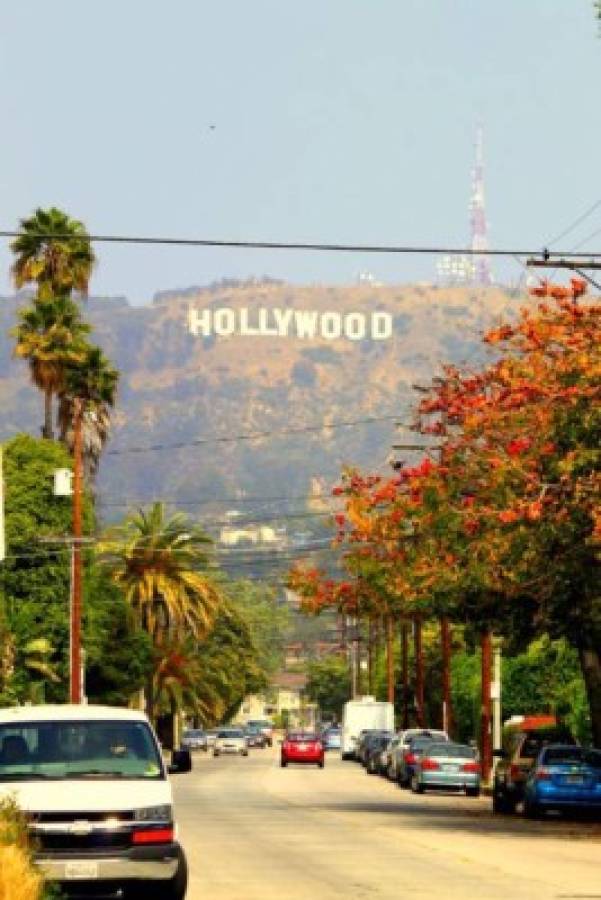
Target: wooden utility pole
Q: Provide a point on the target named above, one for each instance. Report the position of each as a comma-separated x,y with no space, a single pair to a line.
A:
75,682
419,671
486,707
389,659
405,671
445,641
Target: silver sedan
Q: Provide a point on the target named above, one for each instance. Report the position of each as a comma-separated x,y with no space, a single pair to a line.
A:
447,767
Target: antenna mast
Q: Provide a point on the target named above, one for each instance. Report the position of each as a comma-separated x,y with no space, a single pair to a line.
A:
479,226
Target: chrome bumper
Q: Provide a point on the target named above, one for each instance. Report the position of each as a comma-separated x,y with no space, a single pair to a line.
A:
108,868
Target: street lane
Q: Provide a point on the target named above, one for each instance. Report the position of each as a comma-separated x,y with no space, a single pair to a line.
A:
253,830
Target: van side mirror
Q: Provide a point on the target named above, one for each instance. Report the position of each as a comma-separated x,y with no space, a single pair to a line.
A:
181,761
499,753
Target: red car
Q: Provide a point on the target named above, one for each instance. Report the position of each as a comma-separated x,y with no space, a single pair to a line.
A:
302,747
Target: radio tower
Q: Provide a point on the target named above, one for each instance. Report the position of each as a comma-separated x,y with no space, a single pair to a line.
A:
482,272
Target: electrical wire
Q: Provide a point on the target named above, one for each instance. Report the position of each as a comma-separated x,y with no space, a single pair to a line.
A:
253,436
281,245
581,218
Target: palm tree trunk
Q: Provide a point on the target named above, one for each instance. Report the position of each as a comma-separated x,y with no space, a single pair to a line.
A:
47,431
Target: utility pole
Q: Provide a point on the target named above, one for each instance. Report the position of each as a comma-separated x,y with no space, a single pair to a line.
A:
496,692
75,681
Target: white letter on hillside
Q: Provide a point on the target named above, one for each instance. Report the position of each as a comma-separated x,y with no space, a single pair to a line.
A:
199,321
246,329
264,329
354,326
331,326
381,326
306,323
282,320
224,322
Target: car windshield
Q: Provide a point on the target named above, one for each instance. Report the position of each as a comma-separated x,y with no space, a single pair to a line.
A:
452,751
231,733
193,733
78,749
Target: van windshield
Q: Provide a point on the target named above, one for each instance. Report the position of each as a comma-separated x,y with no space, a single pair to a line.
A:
76,749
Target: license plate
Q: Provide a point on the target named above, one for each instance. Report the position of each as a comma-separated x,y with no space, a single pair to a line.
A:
76,871
450,768
302,746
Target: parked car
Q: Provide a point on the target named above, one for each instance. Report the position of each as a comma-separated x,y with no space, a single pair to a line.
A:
564,777
397,752
447,766
211,737
373,755
195,739
407,761
265,726
331,738
93,785
302,747
387,756
522,742
365,740
255,737
230,740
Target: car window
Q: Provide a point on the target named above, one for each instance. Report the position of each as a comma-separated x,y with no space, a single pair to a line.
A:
559,755
452,751
302,736
231,733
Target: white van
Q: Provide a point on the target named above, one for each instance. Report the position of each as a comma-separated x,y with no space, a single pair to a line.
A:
92,782
362,714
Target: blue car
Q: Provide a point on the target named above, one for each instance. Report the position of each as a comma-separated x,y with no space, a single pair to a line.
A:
564,777
331,739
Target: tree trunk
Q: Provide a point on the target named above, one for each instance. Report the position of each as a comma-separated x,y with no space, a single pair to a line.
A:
371,654
445,639
389,659
419,672
486,707
405,671
589,653
47,431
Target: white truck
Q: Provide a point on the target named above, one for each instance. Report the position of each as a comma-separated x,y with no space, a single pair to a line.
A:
93,786
362,714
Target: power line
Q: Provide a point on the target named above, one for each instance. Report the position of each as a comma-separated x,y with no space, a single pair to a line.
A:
281,245
589,211
252,436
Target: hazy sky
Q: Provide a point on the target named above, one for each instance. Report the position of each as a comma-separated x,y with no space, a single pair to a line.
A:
334,120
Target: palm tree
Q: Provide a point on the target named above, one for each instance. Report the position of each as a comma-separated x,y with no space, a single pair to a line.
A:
54,252
93,380
162,568
37,660
50,335
175,681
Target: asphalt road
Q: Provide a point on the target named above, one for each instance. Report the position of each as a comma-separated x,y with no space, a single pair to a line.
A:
254,831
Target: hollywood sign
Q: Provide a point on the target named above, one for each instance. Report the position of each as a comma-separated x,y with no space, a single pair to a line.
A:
303,324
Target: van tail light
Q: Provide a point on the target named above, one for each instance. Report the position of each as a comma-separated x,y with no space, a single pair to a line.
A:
285,746
542,774
429,765
472,767
152,836
410,758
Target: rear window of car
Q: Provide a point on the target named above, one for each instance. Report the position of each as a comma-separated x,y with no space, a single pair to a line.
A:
452,751
193,733
557,756
419,743
302,737
232,733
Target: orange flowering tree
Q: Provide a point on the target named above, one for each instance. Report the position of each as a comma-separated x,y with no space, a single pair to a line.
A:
503,530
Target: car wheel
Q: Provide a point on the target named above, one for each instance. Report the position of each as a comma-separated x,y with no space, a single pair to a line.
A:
283,763
321,763
472,792
215,752
531,809
416,786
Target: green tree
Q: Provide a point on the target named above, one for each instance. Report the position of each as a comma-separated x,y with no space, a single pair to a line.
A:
92,380
50,336
53,251
329,685
161,564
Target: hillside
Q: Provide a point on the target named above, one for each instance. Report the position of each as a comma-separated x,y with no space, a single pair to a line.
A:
178,388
